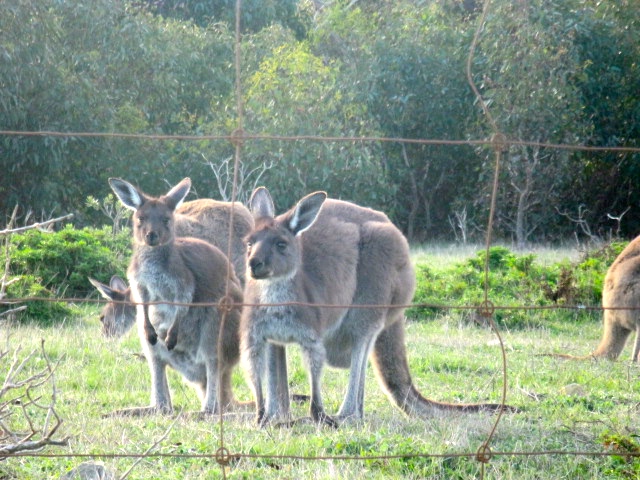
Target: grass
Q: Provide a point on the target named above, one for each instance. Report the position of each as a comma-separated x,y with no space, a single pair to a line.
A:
567,407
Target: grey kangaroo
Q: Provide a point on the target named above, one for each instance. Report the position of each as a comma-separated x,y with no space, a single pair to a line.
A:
329,252
621,303
621,300
164,268
206,219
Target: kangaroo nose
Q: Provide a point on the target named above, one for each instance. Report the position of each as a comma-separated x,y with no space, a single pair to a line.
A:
151,238
258,268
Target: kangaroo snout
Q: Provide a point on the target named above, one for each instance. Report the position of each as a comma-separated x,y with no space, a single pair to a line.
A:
152,238
258,268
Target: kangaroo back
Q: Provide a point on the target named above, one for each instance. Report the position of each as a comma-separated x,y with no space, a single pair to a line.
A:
217,223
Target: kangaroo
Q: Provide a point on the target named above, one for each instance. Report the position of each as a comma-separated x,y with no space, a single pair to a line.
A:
338,257
118,316
164,268
621,301
207,219
621,304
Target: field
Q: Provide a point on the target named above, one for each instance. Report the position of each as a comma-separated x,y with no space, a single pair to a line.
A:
571,411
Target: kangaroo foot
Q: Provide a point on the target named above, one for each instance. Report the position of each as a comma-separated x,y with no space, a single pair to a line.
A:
138,412
300,398
306,421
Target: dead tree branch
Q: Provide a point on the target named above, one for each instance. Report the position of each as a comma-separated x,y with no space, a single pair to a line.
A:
9,231
22,401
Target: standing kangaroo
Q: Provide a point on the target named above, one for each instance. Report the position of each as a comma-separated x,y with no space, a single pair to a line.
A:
164,268
621,301
206,219
621,304
329,252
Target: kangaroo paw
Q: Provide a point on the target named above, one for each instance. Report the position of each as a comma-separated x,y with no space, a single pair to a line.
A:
327,421
172,339
150,333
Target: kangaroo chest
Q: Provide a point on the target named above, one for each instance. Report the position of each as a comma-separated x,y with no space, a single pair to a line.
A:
154,278
290,317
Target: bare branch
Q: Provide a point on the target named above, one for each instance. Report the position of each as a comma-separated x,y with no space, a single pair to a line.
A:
20,396
581,222
618,220
12,310
9,231
248,178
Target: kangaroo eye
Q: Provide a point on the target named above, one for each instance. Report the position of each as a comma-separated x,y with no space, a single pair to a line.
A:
166,221
282,246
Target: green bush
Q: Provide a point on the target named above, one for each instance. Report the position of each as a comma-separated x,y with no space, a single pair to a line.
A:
43,311
514,280
57,265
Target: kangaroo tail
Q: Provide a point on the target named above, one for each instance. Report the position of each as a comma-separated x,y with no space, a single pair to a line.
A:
389,359
614,335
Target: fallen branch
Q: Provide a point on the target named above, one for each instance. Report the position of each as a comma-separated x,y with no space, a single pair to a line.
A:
12,310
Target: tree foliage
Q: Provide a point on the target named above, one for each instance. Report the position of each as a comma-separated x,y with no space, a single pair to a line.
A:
525,69
549,72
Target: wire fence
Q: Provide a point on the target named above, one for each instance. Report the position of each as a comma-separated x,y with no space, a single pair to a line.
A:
487,309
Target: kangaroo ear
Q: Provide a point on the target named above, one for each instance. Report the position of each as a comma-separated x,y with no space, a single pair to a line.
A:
261,204
104,290
306,212
117,283
177,194
129,195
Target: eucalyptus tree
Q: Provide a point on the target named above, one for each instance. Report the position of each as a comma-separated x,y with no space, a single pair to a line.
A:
406,62
525,67
254,14
105,68
295,93
607,38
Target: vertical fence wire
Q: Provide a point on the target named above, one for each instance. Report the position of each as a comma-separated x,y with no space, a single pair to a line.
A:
222,454
487,310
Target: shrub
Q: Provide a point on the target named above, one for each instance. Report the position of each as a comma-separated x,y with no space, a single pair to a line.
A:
514,281
57,264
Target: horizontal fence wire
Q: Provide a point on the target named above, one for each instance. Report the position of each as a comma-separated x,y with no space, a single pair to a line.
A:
498,142
242,136
439,306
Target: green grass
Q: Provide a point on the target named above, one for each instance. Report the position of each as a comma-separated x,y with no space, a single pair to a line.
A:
450,360
567,407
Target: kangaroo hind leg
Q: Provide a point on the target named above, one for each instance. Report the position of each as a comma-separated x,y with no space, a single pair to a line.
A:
314,357
352,407
635,357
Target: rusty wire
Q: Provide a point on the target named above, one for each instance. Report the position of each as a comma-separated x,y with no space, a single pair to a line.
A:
222,455
240,135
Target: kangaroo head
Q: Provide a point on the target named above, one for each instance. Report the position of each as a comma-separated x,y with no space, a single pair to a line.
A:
116,317
153,218
274,247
